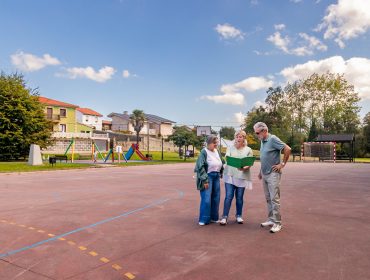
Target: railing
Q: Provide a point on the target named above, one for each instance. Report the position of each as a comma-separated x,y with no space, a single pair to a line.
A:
86,135
53,117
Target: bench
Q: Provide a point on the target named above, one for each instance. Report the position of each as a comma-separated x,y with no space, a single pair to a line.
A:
61,157
296,155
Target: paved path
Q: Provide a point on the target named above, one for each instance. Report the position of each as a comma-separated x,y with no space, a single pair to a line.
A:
141,223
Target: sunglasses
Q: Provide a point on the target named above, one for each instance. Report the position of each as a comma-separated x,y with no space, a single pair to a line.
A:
259,131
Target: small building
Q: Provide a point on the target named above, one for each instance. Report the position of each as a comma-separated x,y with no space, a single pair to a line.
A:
153,125
89,117
106,125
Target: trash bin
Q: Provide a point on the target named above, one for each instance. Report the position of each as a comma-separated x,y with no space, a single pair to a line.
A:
52,160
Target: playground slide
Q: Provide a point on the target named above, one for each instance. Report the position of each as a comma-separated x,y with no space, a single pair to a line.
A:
140,154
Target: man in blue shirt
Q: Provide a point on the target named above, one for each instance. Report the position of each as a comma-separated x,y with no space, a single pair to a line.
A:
270,173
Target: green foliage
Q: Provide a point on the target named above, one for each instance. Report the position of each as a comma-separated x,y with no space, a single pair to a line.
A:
227,132
182,137
22,118
137,119
320,104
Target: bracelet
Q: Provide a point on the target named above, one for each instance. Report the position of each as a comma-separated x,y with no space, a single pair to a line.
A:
283,163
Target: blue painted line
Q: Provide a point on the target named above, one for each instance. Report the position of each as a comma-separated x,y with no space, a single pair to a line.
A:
86,227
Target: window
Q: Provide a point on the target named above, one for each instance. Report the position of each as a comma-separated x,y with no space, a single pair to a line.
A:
49,113
62,127
63,113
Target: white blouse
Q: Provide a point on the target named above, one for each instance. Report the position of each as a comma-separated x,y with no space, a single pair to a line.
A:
213,160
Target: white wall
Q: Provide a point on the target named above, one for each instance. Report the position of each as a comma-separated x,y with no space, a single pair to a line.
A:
89,120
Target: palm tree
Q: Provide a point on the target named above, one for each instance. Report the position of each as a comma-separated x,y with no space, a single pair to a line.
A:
137,119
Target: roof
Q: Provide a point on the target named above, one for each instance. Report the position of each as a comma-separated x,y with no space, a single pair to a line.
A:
53,102
88,111
149,117
335,137
106,122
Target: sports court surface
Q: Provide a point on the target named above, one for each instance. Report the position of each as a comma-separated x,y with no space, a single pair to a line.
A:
141,223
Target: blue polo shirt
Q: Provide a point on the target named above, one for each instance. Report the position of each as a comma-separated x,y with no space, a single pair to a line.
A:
270,153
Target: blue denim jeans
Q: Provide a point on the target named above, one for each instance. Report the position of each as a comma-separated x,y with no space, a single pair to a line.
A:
210,199
230,190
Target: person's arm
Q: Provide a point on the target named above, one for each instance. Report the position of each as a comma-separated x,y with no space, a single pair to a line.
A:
281,165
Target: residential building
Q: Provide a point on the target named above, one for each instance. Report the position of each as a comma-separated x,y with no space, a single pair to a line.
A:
153,125
63,116
106,125
89,117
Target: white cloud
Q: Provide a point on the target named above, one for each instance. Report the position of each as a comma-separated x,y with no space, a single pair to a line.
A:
29,62
105,73
280,42
313,42
231,98
233,93
306,47
228,31
295,1
239,117
254,2
126,74
279,26
346,20
253,84
356,70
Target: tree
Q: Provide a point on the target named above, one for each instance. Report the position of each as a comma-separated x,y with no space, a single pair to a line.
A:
227,132
366,134
181,136
22,118
137,119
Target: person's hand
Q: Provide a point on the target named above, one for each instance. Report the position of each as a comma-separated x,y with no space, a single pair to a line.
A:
245,168
277,167
260,176
206,185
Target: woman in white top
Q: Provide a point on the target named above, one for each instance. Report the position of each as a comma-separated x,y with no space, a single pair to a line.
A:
209,169
236,179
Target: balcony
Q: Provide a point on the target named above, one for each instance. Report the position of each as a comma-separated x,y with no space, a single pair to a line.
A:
53,118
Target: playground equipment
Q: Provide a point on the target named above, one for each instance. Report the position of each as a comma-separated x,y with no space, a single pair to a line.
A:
135,148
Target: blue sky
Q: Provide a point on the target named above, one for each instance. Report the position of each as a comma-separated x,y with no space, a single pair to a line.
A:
194,62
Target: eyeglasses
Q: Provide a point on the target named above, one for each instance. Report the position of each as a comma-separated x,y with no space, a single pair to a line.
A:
259,131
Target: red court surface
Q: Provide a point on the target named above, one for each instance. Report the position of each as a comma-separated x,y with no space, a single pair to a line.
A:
141,223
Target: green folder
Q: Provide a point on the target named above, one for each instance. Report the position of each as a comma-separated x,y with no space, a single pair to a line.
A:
240,162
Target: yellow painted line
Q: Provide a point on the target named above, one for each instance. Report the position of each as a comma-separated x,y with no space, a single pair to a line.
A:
82,248
71,243
31,228
104,260
12,223
40,230
22,225
50,234
129,275
62,239
4,221
116,266
94,254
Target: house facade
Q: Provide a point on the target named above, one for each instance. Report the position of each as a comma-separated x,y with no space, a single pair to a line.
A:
61,114
90,118
153,125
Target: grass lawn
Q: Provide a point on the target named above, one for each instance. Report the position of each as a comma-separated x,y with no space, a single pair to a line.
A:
24,167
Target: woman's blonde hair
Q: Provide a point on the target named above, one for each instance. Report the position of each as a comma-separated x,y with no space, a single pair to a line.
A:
242,133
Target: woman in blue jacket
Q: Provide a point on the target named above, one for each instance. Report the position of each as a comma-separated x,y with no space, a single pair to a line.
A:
208,170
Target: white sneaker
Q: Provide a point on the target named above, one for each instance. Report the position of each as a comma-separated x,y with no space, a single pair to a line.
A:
239,220
223,222
201,223
267,224
215,222
275,228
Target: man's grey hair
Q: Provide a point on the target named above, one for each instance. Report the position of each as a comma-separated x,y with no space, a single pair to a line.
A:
211,139
261,126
